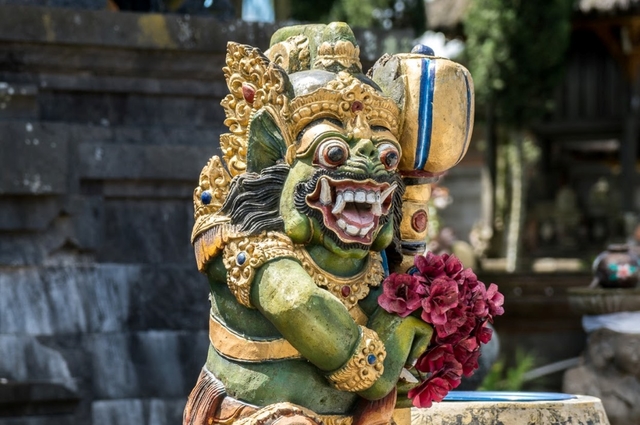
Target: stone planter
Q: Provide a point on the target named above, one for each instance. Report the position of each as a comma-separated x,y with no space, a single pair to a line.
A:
590,301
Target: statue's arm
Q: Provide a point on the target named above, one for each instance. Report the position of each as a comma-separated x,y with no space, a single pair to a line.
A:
310,318
322,330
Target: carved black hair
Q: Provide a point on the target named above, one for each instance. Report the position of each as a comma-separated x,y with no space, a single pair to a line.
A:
253,201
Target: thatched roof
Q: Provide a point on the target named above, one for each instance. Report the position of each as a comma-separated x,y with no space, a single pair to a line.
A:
443,15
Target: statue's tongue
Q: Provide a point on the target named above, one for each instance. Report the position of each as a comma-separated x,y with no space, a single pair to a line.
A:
358,214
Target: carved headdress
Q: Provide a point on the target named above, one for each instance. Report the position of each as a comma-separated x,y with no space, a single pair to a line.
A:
312,72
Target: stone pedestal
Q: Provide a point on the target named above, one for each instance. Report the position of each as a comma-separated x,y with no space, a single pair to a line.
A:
580,410
610,365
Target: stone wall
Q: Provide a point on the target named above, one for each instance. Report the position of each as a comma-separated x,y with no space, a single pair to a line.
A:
105,122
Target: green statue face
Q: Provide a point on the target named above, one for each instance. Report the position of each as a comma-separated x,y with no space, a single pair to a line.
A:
341,188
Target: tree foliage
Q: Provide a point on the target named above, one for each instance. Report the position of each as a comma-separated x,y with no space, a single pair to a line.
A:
363,13
515,51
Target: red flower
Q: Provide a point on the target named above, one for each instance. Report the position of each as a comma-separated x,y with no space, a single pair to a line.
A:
477,300
437,359
452,266
495,300
483,333
467,352
402,293
454,320
458,306
432,389
443,296
430,266
470,287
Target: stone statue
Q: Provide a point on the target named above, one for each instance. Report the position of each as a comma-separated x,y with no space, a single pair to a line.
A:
298,228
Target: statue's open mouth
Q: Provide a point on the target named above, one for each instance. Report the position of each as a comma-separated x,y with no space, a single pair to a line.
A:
352,208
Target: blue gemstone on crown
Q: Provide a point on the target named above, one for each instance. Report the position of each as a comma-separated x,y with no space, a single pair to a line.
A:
206,197
371,359
241,258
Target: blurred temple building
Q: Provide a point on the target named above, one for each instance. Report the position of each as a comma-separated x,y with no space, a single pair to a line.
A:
584,191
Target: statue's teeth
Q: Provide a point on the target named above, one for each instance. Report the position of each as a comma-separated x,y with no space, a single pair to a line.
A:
342,224
352,230
384,195
376,208
339,206
325,192
365,230
361,196
371,197
348,196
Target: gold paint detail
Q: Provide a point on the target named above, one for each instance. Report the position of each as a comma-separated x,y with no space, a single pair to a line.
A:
290,413
154,31
242,256
335,100
371,275
254,83
237,347
359,373
336,419
210,243
414,199
358,315
292,55
417,192
451,128
343,52
214,183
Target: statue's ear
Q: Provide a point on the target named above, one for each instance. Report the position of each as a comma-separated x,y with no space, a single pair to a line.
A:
266,144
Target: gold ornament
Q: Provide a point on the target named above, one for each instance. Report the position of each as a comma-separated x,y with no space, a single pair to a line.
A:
292,413
342,53
254,83
208,244
365,365
344,98
292,55
209,196
358,285
237,347
243,256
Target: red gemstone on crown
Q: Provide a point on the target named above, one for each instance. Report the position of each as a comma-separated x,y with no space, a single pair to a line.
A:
248,93
345,291
357,106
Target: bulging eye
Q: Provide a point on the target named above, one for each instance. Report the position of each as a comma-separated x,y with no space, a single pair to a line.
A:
389,155
332,153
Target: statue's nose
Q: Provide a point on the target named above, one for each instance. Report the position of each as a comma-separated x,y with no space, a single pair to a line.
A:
366,149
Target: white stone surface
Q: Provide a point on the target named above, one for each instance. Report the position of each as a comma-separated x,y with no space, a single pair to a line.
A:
582,410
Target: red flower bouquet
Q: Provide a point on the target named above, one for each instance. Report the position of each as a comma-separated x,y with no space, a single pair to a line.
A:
457,305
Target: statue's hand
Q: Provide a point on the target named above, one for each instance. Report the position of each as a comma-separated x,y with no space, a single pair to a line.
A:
405,339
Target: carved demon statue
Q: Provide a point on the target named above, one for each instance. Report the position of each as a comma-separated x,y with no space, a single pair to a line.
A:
298,224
